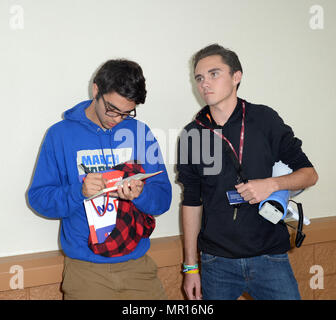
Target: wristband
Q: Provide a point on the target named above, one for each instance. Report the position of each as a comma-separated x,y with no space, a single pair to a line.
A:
190,268
187,266
192,271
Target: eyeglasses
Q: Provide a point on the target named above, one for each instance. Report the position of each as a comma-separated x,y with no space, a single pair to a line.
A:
113,111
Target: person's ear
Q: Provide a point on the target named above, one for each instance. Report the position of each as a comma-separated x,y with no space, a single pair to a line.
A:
237,76
94,90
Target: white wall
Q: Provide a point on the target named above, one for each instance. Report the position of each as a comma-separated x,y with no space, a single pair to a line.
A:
46,67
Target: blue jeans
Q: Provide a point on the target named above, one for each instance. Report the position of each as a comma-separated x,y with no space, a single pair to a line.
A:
267,277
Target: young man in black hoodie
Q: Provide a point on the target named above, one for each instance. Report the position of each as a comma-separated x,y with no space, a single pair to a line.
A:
240,250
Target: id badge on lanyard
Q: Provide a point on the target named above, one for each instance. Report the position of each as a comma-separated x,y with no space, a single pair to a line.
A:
233,196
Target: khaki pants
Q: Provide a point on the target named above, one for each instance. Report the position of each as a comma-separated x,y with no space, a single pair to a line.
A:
134,279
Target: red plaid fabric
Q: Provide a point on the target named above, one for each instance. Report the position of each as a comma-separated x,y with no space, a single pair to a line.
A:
131,224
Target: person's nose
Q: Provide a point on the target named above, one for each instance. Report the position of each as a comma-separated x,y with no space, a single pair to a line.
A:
118,118
205,83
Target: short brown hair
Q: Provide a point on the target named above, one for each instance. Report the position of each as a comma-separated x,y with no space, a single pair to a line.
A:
229,57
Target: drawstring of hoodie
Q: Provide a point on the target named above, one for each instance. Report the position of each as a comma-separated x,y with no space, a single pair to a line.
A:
102,149
106,167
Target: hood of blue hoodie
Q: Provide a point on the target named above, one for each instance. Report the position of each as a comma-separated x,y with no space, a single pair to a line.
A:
120,136
77,113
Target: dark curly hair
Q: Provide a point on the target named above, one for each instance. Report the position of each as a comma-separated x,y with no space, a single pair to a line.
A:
124,77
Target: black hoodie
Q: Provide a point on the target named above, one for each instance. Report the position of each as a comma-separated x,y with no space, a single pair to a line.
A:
267,140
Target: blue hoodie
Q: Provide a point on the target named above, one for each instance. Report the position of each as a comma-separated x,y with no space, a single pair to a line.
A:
56,190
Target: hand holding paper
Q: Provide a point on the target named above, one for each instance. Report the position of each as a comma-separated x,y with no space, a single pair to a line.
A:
92,184
121,182
129,190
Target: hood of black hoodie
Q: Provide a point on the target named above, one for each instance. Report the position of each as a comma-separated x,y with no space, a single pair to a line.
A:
206,118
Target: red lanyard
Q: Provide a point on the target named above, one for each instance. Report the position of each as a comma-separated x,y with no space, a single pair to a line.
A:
242,136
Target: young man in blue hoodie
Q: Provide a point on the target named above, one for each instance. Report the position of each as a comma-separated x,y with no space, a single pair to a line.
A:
100,134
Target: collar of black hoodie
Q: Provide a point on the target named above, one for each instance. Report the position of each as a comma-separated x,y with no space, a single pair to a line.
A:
206,118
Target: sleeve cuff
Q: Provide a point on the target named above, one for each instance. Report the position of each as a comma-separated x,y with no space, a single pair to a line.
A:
140,201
